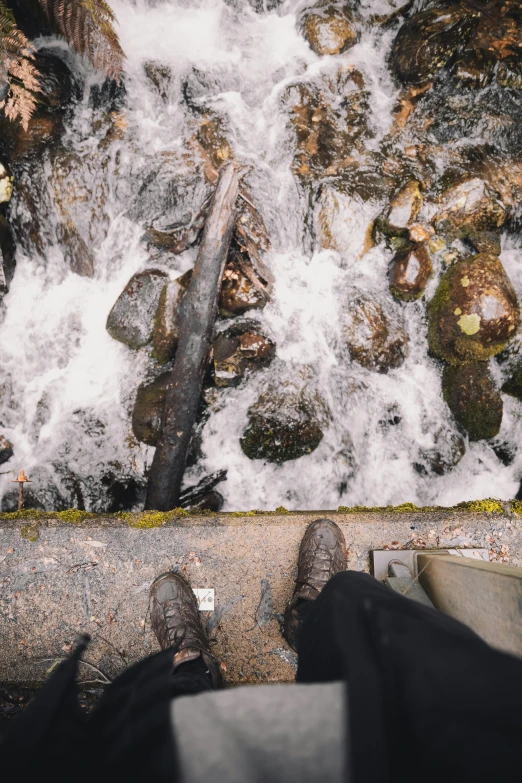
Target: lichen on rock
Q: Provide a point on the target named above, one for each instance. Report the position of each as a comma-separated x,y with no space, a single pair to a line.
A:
474,311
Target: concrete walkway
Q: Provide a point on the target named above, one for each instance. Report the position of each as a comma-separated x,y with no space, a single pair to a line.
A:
94,577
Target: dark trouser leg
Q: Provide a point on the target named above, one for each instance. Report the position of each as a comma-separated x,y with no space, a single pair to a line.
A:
191,678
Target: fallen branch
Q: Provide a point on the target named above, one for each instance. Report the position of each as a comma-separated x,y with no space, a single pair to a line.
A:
197,315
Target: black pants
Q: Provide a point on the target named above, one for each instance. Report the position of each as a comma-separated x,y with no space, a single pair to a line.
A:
420,686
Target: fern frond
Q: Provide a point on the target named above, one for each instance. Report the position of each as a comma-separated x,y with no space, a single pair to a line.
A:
17,70
88,26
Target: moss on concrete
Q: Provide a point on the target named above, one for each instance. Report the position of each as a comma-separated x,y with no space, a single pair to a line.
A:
150,519
30,532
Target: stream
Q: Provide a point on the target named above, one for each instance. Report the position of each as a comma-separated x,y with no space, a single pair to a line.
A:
68,388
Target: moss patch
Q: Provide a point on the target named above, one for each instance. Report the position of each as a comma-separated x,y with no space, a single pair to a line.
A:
489,506
150,519
30,532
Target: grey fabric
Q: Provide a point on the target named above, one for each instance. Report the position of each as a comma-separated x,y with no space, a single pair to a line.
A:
288,733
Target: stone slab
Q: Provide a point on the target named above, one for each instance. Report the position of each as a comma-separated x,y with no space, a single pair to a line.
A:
94,577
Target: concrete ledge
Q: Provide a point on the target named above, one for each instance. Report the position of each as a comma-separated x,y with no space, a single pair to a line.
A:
59,578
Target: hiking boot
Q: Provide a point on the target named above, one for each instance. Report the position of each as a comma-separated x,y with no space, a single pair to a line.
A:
174,616
322,554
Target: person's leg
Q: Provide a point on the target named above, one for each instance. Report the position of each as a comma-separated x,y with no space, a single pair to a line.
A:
175,621
322,554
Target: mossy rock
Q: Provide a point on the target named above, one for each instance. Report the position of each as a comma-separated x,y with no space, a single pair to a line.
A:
409,273
474,311
427,41
148,409
282,426
474,400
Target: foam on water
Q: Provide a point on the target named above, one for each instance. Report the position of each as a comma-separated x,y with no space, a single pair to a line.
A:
68,388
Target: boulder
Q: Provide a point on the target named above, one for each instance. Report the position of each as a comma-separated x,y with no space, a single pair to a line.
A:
447,451
7,255
513,384
159,76
148,409
131,320
329,29
403,211
238,294
237,351
6,449
166,321
470,210
473,398
427,41
282,426
409,273
474,311
78,257
327,129
375,335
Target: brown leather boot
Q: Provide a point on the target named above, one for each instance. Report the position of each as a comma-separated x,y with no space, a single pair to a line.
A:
322,554
174,616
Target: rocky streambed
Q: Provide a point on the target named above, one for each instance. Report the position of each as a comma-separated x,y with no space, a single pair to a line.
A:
381,143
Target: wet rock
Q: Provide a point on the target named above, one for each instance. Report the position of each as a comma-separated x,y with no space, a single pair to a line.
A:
235,352
419,233
474,311
426,42
475,68
471,394
329,29
166,321
327,130
78,257
79,186
148,409
282,425
6,449
212,136
58,90
131,320
448,449
6,184
404,209
513,385
471,210
376,336
7,255
212,501
238,294
160,77
409,273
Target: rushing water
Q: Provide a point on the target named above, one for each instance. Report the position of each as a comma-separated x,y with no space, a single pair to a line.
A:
68,388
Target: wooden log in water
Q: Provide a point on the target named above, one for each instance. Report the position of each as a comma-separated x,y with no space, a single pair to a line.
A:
197,315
